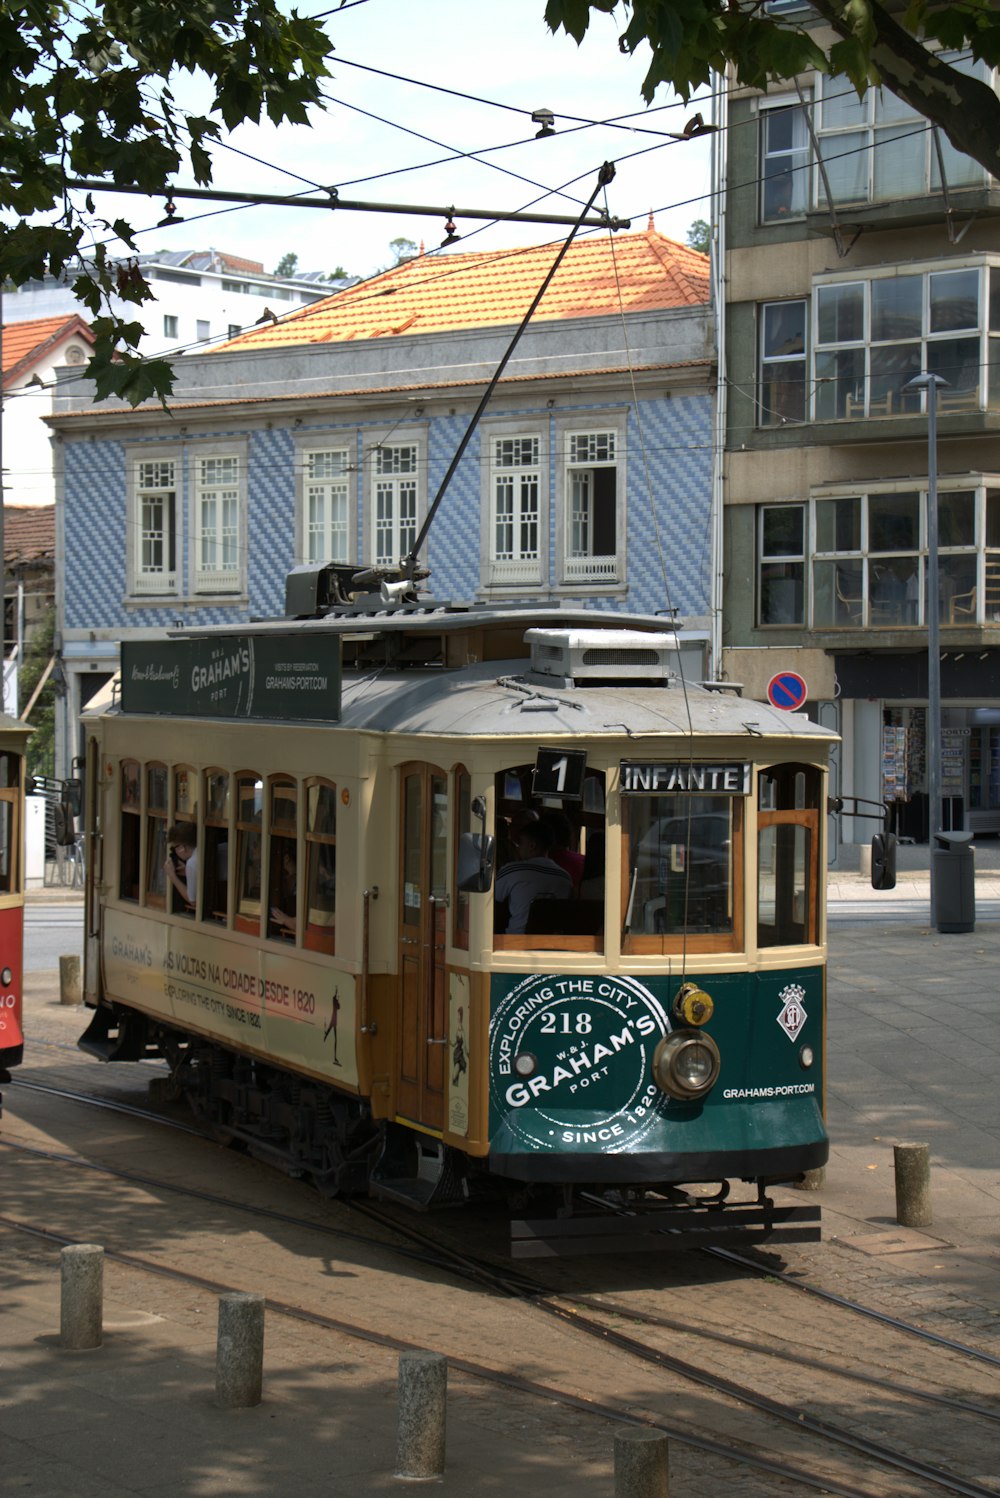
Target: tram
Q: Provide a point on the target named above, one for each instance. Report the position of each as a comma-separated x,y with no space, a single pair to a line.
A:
352,979
14,736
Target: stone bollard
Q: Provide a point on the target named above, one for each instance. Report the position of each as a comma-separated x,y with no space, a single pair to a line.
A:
423,1397
81,1321
70,988
865,860
239,1355
641,1458
913,1185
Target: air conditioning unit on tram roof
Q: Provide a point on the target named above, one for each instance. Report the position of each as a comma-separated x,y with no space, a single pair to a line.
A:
582,656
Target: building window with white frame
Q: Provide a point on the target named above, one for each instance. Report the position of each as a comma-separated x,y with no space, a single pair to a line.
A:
872,336
781,380
591,508
869,563
515,506
786,154
218,524
781,564
154,526
395,497
326,505
877,149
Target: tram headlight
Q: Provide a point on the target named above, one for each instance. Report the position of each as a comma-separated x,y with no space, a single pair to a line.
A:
6,977
686,1064
525,1064
806,1057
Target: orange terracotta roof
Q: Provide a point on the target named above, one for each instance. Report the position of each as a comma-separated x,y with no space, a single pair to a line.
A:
432,294
27,343
29,533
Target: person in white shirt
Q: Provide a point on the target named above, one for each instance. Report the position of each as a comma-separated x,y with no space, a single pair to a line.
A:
533,874
181,866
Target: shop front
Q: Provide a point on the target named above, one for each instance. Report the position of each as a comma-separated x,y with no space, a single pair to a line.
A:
896,685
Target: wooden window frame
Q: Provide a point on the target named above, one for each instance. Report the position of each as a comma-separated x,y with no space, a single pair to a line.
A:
695,941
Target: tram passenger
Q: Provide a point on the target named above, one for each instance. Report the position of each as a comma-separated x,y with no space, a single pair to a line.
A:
530,876
562,851
181,865
284,918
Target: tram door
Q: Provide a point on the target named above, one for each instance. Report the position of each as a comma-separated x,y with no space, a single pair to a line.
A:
423,1036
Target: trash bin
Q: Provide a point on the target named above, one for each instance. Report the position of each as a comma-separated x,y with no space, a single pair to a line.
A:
954,871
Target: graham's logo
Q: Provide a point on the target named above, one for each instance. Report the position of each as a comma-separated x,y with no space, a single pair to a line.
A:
570,1062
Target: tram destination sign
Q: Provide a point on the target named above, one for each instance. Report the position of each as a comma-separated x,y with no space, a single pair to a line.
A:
279,677
684,777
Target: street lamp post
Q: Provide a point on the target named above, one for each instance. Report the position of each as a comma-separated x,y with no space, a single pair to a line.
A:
932,383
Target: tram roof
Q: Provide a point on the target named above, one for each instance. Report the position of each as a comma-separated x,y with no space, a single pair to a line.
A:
453,671
500,699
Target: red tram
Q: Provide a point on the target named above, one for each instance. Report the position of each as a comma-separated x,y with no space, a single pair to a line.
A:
14,736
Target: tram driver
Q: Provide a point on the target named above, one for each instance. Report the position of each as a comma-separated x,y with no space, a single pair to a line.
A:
531,876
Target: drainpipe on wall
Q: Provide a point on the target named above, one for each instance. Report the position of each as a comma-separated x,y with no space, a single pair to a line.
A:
717,218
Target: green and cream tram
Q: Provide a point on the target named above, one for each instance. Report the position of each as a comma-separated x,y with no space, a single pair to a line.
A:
339,984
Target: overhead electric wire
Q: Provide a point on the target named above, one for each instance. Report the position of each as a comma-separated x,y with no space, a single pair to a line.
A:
756,181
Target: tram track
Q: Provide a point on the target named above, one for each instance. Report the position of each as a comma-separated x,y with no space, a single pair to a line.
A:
584,1318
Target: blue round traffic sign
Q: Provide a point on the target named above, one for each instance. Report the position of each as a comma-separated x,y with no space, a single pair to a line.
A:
787,690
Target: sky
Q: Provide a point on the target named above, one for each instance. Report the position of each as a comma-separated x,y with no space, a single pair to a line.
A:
366,142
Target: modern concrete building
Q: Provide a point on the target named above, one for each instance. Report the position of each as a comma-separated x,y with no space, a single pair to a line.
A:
859,250
201,297
326,436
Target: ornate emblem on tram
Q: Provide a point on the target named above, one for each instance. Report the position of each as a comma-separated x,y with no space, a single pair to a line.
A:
570,1062
793,1015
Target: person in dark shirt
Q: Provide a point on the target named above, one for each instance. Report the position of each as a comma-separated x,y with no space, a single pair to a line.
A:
561,851
533,874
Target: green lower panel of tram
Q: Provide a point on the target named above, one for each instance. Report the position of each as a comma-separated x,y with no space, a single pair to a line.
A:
577,1066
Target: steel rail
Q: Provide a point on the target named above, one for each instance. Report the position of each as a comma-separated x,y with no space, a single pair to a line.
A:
839,1300
551,1393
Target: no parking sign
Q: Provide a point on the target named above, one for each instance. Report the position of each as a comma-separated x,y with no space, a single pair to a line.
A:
787,690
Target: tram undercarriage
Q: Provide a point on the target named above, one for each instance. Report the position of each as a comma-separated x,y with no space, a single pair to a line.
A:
313,1132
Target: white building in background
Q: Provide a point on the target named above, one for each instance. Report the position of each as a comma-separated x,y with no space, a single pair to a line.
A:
201,297
32,351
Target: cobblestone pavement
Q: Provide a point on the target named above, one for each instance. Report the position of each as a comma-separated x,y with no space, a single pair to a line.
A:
913,1036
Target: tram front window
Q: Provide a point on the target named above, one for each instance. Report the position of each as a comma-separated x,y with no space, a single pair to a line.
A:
788,856
681,865
549,889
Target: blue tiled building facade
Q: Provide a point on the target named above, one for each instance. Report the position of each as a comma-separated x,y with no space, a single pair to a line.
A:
575,485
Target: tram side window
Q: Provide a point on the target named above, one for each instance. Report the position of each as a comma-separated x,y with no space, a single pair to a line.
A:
249,805
10,779
788,856
683,862
8,842
156,835
215,860
282,866
321,859
131,830
542,859
462,805
183,832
